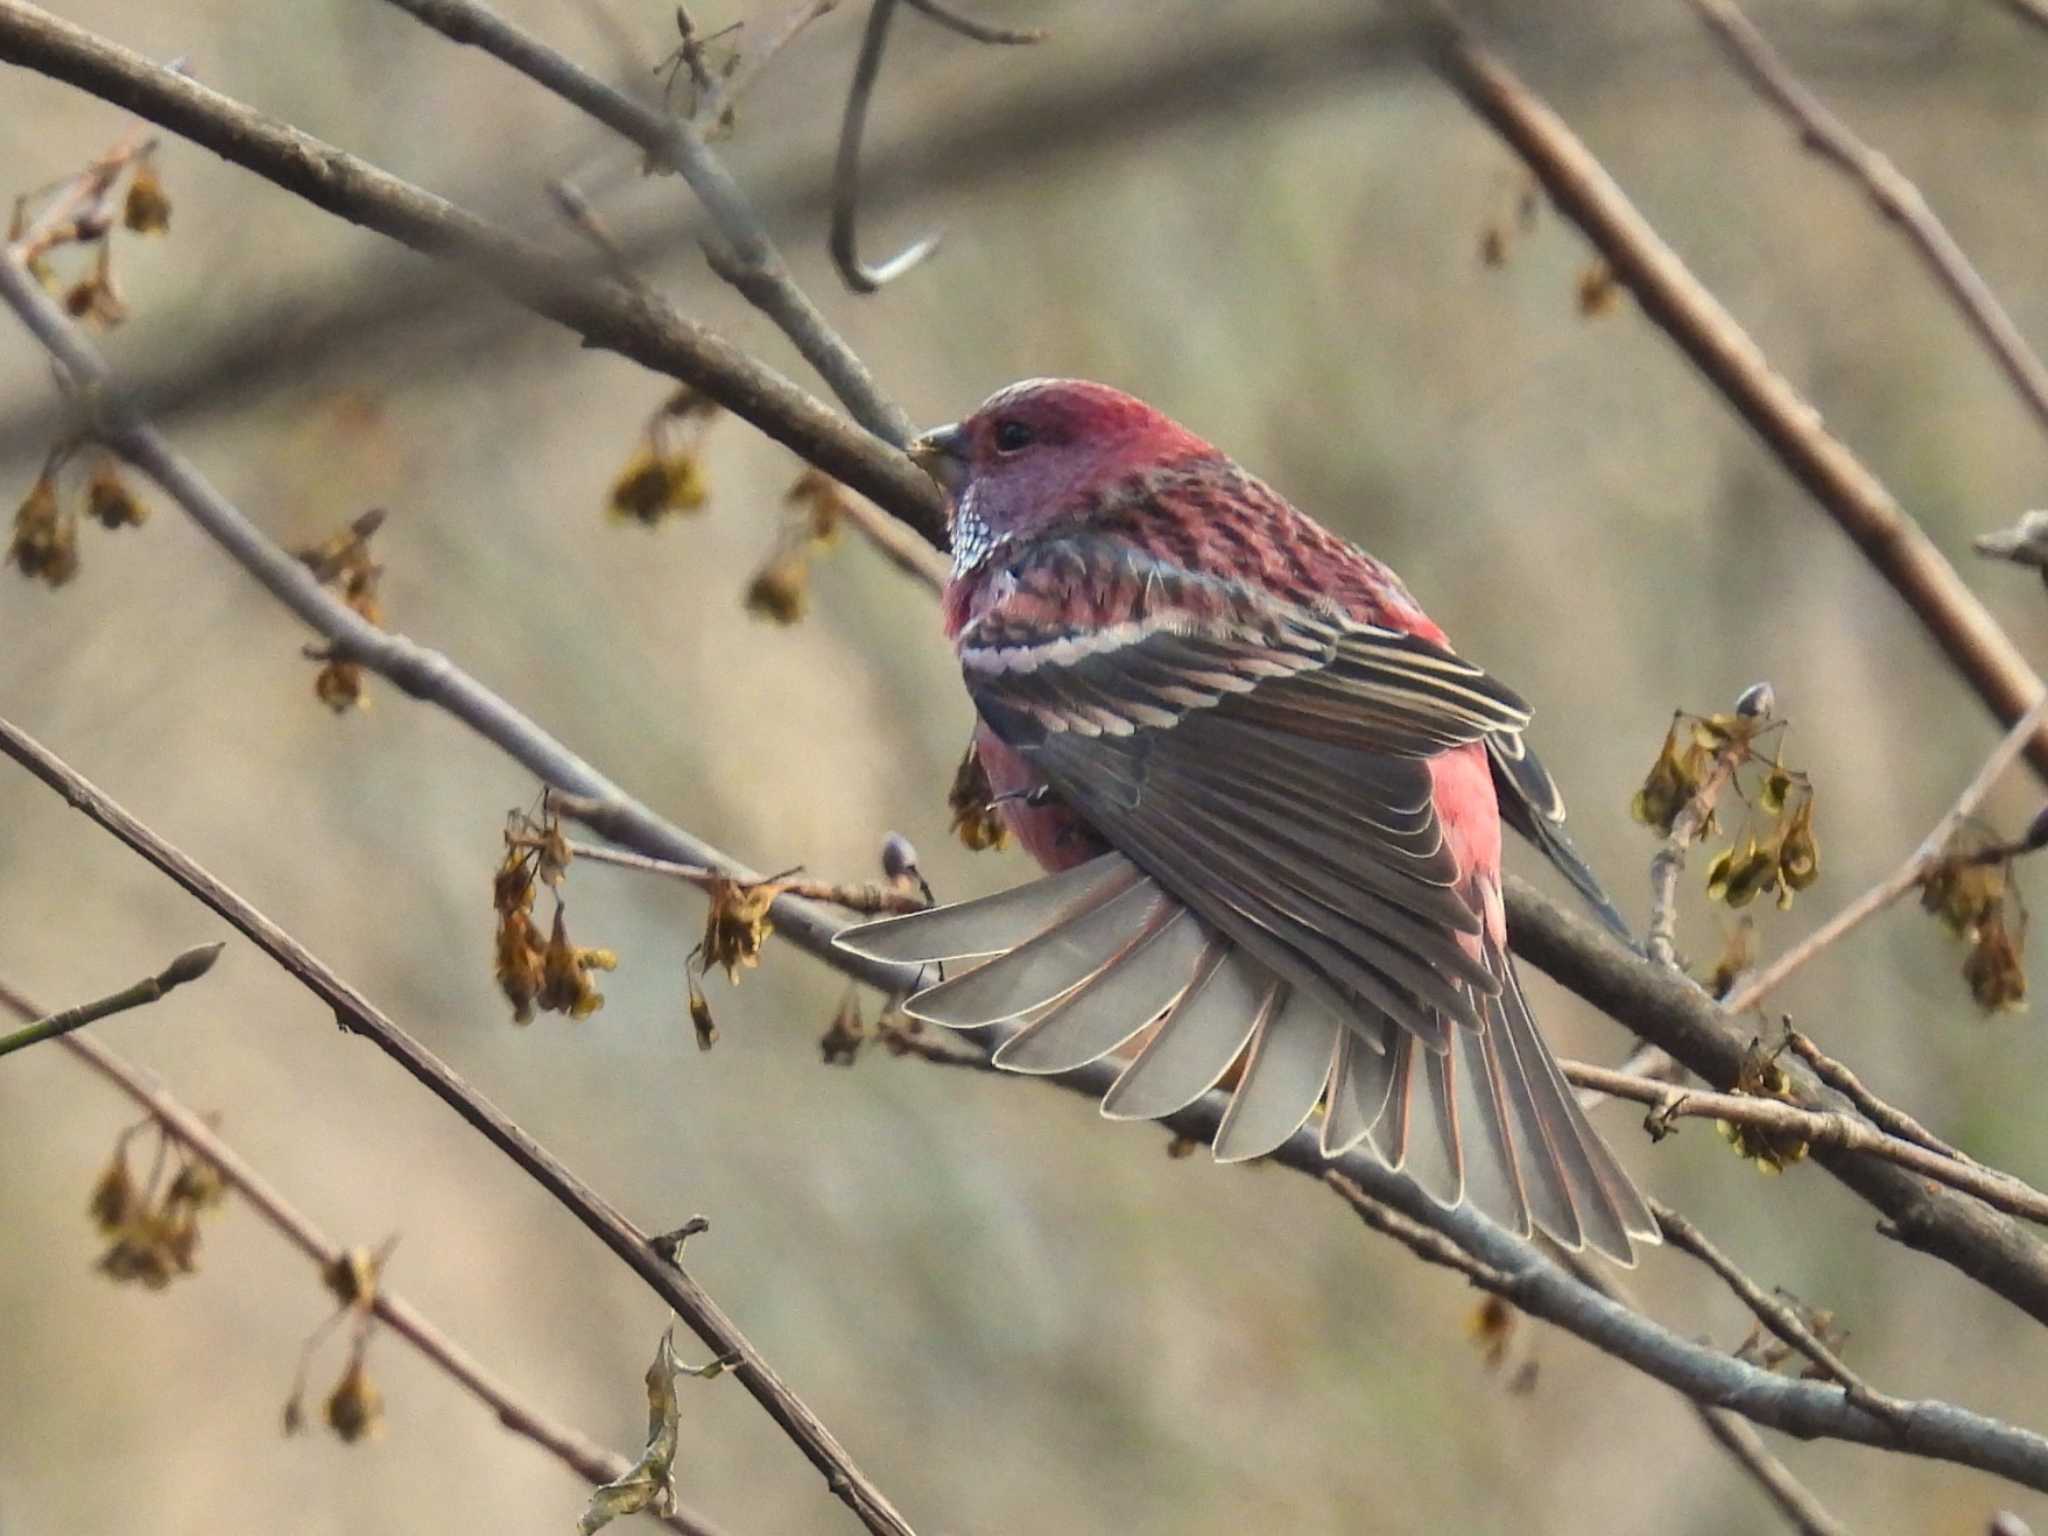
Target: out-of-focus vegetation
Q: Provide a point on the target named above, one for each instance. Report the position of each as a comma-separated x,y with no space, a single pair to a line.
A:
1017,1317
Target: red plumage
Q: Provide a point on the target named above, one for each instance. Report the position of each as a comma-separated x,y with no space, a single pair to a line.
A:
1277,795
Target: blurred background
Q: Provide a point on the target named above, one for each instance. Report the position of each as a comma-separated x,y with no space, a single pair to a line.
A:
1266,218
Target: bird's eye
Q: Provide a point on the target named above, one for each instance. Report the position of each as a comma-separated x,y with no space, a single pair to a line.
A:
1012,436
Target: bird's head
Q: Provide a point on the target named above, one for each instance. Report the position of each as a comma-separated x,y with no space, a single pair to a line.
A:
1033,455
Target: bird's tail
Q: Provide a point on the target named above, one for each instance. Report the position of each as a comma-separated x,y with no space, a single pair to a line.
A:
1101,961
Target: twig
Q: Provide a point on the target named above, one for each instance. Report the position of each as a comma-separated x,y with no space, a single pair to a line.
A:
1732,362
423,673
1992,1249
1901,880
1430,1246
1821,1128
1997,1250
1888,1117
844,241
744,255
2035,11
1793,1499
1773,1312
1661,943
1894,194
573,1449
359,1015
977,31
867,899
714,113
606,314
189,966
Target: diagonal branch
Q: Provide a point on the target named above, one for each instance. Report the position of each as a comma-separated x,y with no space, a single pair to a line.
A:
605,314
1985,1245
1906,876
742,253
1721,349
1938,1430
1991,1247
356,1013
1890,189
573,1449
1793,1499
1830,1129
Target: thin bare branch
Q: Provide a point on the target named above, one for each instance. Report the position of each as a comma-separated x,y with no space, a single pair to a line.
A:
1820,1128
1997,1250
1724,352
1887,1117
606,314
580,1454
977,31
189,966
1428,1245
844,241
744,255
1793,1499
1894,194
715,112
868,899
1903,879
1772,1311
2033,11
356,1013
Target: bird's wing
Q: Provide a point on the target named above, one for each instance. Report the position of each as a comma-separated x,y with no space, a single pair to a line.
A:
1282,890
1531,803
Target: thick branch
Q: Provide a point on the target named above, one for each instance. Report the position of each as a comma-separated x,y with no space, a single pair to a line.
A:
356,1013
1937,1430
743,254
573,1449
605,313
1991,1247
1732,362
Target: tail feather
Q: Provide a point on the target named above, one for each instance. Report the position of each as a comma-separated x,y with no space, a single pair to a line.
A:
1196,1042
992,925
1284,1075
1086,960
1359,1085
1117,1002
1043,968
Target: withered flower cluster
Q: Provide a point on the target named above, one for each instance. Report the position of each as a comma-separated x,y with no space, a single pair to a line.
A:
552,975
343,562
44,546
1972,889
813,509
1763,1348
354,1409
1761,1077
77,218
1776,851
153,1225
665,475
977,820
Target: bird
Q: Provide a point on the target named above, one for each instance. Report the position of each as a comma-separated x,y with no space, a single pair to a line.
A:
1267,796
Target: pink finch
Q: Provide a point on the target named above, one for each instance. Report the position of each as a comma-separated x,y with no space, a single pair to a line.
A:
1269,798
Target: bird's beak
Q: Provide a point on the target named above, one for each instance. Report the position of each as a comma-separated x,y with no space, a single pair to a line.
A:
942,454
